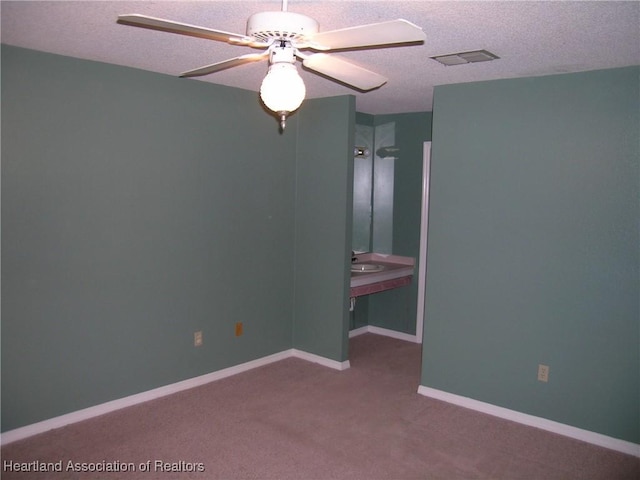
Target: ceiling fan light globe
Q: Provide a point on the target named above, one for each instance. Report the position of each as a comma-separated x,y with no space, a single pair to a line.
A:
282,90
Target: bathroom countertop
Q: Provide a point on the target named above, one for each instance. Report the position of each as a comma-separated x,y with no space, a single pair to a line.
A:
396,272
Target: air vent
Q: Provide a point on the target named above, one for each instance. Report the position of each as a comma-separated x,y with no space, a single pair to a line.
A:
465,57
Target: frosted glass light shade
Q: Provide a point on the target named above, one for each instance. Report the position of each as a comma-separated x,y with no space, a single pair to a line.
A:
282,90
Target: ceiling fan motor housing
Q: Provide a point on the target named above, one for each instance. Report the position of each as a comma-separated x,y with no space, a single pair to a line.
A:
269,26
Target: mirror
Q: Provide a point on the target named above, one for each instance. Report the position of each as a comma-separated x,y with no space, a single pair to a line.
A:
373,184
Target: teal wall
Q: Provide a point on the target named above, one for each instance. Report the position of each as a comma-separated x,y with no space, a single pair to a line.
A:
324,196
534,247
138,208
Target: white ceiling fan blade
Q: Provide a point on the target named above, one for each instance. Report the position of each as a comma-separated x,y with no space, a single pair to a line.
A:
384,33
170,26
344,71
232,62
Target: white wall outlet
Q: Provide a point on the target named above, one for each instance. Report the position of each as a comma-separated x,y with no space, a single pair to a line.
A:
543,373
197,338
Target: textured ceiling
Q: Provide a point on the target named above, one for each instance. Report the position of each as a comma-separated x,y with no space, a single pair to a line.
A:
531,38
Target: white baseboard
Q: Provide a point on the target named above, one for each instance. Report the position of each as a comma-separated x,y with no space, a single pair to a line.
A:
533,421
358,331
326,362
101,409
393,334
386,332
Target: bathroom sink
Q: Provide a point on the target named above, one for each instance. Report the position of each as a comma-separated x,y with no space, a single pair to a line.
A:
376,272
366,267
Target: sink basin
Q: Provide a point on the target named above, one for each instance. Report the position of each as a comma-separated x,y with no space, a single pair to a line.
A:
366,267
374,272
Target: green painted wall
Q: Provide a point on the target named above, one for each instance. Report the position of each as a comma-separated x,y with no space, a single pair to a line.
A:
534,247
138,208
324,195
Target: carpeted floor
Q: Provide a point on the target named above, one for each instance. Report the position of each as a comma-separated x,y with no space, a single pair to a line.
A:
298,420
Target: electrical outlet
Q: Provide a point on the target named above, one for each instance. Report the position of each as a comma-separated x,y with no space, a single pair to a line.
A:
543,373
197,338
239,329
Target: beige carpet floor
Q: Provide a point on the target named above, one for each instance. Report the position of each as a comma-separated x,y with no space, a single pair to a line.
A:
298,420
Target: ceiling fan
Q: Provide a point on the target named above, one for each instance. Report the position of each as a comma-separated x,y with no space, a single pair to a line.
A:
282,35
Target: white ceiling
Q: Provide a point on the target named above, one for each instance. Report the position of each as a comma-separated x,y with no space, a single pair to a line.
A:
531,39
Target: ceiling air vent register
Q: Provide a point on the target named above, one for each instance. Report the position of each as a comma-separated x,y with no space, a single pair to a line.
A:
465,57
